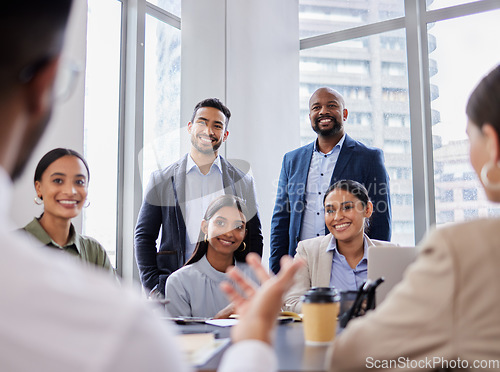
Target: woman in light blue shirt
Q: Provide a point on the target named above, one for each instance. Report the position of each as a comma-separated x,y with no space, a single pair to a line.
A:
338,259
193,290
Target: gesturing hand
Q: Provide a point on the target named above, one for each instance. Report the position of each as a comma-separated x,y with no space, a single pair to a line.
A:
258,308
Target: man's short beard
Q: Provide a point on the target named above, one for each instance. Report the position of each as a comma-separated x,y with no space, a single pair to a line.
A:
336,129
206,151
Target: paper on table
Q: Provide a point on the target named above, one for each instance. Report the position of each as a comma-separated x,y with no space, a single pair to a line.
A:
200,347
222,322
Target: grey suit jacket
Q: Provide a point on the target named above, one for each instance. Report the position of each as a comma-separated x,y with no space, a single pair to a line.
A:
317,270
163,210
445,308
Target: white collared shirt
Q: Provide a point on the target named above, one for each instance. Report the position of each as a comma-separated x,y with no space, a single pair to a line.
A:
201,189
318,180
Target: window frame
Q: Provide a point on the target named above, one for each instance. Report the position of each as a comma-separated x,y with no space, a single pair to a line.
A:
414,22
131,126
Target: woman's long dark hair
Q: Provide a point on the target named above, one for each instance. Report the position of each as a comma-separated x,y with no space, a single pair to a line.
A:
354,188
218,203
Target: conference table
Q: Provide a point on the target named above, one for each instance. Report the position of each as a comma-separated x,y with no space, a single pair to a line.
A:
293,354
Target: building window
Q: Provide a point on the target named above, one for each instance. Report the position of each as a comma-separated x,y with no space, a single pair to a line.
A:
470,214
493,212
395,147
445,217
393,69
394,95
360,118
401,199
396,121
447,196
469,194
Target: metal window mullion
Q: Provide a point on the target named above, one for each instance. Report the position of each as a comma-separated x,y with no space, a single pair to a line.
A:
163,15
130,134
420,118
353,33
456,11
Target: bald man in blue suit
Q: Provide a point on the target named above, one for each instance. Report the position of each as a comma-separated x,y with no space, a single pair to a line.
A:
307,172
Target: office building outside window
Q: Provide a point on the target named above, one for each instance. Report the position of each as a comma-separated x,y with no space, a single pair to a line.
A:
371,74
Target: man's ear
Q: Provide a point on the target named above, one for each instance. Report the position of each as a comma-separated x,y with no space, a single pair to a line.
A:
39,89
224,138
345,113
492,142
190,124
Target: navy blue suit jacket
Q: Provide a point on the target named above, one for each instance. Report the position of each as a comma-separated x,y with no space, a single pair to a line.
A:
356,162
164,207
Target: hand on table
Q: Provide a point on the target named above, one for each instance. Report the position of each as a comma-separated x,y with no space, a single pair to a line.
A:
226,312
258,307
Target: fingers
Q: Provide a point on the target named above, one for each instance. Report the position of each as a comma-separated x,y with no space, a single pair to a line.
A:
254,261
289,268
246,286
233,295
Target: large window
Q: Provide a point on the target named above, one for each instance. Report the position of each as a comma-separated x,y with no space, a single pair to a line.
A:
102,95
369,58
132,87
465,49
162,81
405,89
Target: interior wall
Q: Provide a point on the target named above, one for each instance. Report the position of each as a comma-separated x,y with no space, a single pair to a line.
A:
66,125
203,58
247,54
263,92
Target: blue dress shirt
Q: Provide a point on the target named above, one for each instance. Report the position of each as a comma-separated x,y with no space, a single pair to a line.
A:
318,180
343,277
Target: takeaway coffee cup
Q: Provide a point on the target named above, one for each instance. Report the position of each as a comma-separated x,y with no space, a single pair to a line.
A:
320,308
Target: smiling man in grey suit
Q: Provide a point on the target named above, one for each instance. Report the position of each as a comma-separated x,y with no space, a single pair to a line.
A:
308,171
177,197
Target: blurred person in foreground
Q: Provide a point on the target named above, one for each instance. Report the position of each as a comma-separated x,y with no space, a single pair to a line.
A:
443,314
